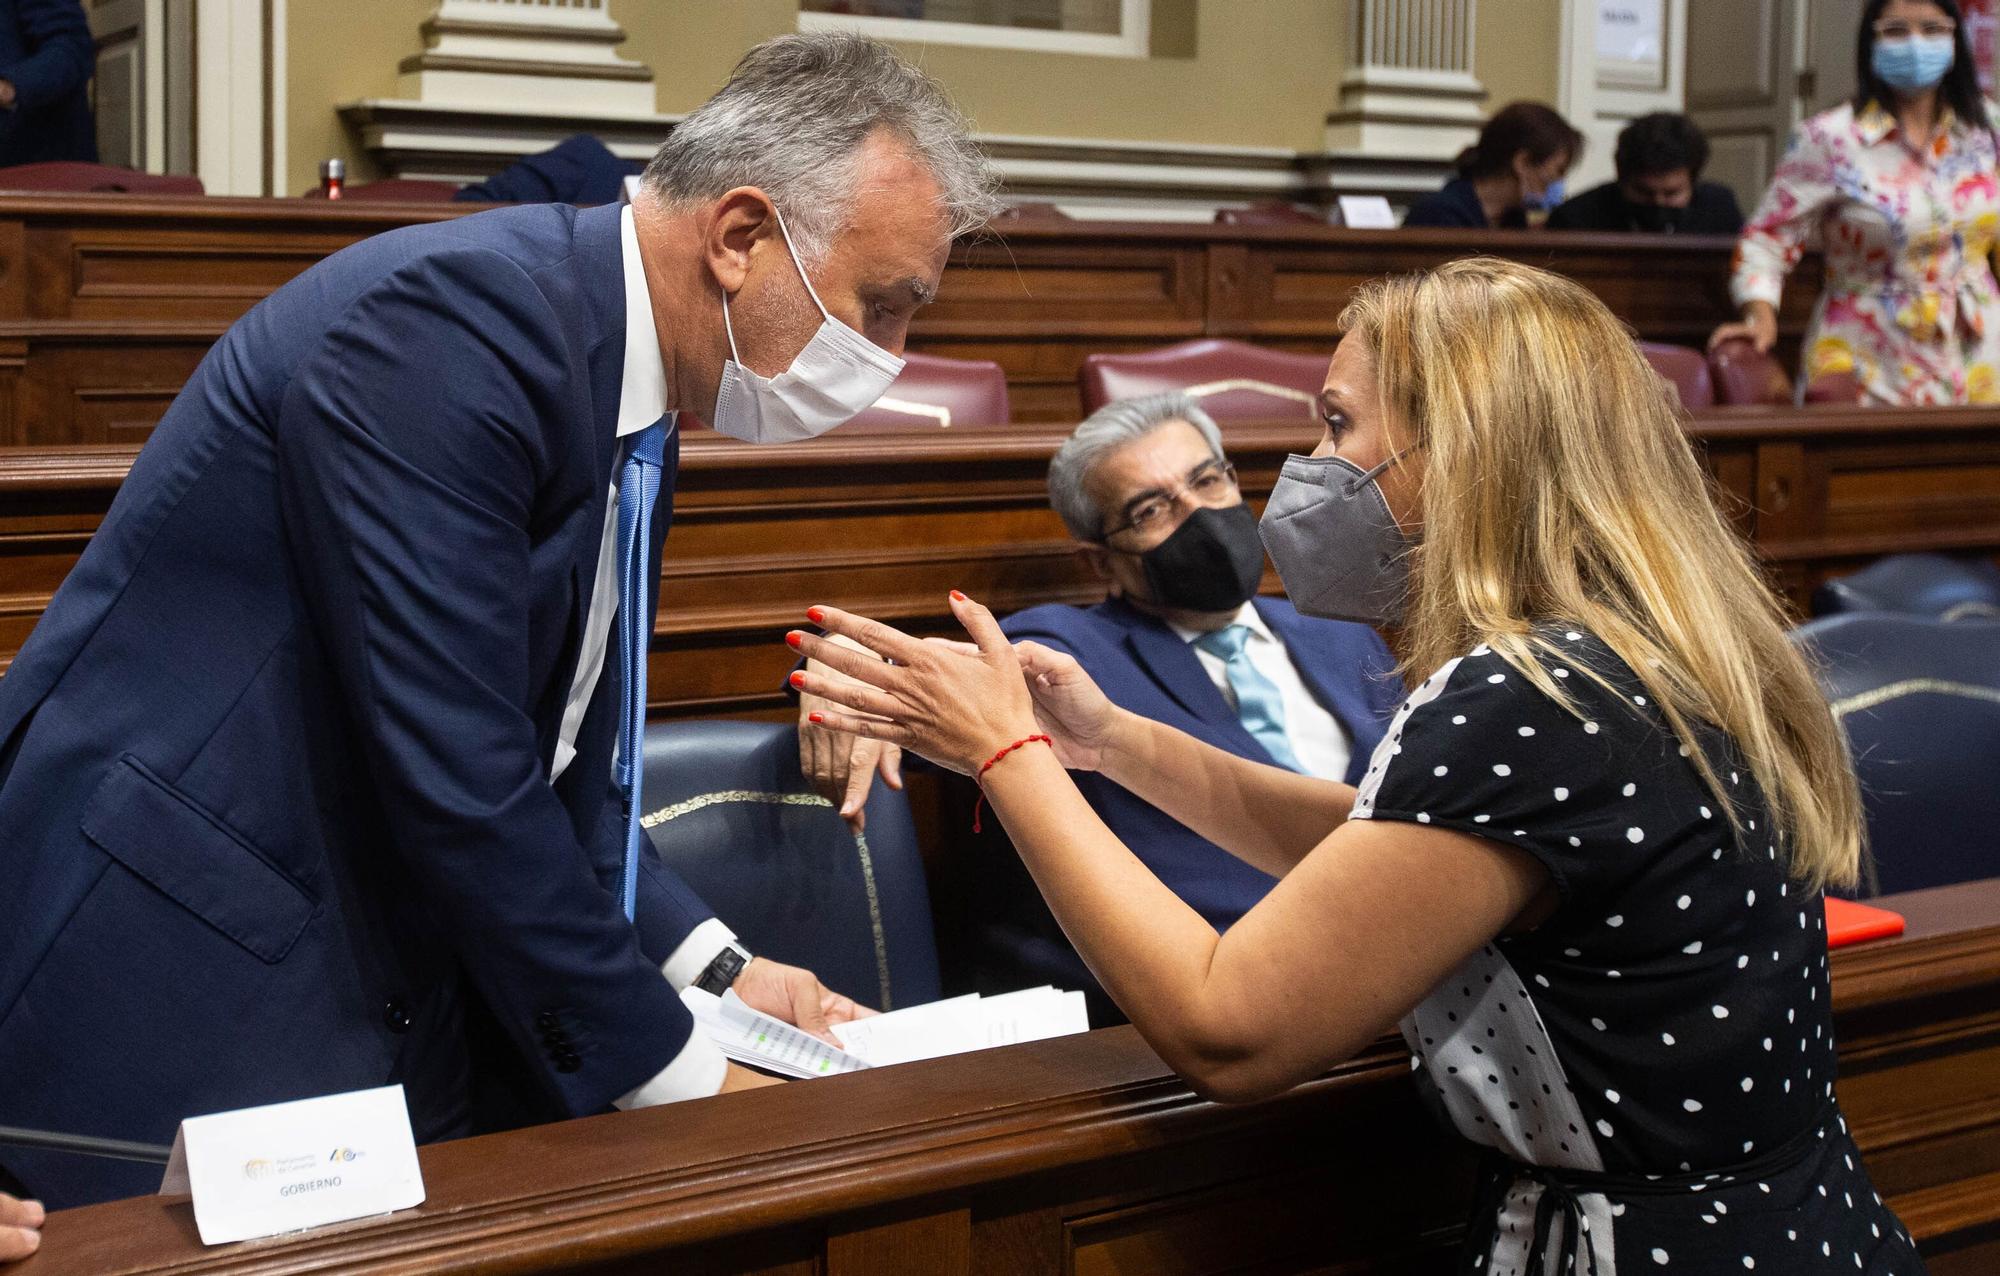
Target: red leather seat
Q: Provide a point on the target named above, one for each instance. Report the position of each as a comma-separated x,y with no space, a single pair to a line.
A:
75,175
1269,213
937,394
1834,387
395,190
1232,381
1742,376
1685,369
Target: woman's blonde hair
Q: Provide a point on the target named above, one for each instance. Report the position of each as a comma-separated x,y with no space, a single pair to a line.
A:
1560,486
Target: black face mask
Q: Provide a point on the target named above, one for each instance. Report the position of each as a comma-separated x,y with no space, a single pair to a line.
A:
1212,562
1657,218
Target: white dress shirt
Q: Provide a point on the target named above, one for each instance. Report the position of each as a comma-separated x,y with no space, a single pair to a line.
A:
642,399
1320,743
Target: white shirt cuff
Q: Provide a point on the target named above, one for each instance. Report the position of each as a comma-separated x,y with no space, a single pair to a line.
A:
695,952
695,1073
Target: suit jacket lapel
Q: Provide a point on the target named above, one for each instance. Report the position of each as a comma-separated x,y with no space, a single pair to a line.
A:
599,259
1173,665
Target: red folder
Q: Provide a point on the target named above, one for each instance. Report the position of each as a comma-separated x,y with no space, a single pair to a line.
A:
1850,923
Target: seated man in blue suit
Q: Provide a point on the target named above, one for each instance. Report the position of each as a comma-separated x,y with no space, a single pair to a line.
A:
312,777
1144,487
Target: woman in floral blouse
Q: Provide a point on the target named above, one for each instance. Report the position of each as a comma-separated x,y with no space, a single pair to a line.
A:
1900,191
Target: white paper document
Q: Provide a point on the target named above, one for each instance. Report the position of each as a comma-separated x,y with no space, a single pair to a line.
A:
952,1026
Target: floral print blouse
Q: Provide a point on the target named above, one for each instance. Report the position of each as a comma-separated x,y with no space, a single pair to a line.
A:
1910,308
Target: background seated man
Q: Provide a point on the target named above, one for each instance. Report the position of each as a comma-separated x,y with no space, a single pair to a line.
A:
1145,488
1659,188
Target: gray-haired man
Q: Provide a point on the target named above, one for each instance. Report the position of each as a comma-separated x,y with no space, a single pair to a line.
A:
312,777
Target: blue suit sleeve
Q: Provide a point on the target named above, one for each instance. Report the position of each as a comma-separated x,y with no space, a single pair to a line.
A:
410,446
668,908
61,53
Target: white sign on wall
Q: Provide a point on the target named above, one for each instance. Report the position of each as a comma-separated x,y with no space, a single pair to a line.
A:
1631,49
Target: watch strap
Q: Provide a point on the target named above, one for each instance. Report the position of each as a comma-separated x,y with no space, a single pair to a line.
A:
721,973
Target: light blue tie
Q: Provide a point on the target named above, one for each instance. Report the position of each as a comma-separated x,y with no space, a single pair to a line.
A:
638,489
1258,705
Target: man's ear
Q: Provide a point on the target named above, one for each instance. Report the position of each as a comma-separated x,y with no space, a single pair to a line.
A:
1095,557
735,224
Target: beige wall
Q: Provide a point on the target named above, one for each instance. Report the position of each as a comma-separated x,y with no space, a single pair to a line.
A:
1518,54
1225,72
339,52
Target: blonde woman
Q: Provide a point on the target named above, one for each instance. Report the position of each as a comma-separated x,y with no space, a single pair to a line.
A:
1583,869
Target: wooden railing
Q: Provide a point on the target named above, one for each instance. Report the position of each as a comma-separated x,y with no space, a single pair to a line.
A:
1085,1155
107,302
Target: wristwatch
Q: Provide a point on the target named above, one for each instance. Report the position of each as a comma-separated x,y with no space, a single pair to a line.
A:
722,972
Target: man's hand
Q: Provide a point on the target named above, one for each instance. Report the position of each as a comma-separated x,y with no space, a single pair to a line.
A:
797,997
6,95
741,1078
20,1228
841,767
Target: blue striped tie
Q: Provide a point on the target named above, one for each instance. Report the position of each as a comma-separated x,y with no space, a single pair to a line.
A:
638,489
1258,705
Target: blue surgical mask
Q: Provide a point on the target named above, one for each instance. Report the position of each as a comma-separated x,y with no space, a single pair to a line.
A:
1915,64
1552,195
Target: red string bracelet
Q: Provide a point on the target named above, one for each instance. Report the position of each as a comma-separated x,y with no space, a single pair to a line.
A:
980,805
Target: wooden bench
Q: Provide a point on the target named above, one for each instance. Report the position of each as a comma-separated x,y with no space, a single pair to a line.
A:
887,525
107,302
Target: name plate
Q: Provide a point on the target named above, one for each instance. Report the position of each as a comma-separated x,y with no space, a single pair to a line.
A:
1366,212
285,1167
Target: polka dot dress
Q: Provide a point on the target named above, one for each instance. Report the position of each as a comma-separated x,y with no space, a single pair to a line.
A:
1668,1026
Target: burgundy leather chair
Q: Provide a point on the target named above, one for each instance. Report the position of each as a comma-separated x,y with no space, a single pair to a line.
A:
395,190
75,175
1744,377
1231,380
1685,369
1269,213
937,394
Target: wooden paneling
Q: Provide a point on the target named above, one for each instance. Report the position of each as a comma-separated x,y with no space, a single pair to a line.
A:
86,280
888,524
1084,1155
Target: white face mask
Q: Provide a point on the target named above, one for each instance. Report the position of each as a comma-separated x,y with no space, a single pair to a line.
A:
835,378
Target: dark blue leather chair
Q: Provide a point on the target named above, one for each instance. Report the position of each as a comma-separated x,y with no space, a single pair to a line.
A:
727,806
1918,585
1920,702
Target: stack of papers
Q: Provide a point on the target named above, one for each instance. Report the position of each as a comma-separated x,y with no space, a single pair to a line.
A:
952,1026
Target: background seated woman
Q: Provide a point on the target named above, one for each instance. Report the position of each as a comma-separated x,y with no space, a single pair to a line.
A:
1583,868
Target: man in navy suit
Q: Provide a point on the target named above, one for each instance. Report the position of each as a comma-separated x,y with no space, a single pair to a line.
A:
310,776
47,57
1151,499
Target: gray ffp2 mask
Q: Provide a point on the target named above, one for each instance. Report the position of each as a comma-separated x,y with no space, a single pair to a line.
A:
1337,548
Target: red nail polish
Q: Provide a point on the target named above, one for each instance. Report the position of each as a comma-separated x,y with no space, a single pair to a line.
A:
794,638
815,717
815,614
798,679
958,597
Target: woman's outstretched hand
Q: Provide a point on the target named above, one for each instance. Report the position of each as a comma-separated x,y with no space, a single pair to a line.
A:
956,702
955,705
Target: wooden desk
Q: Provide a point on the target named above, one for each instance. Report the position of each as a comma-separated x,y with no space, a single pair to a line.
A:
107,302
888,524
1085,1155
